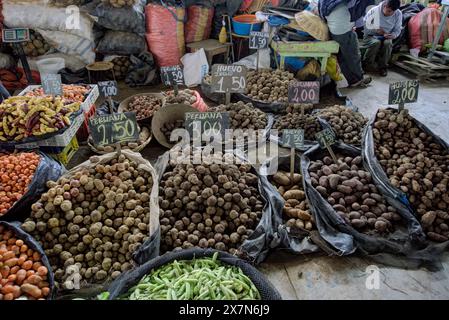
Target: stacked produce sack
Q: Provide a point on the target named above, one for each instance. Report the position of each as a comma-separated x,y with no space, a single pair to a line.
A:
49,20
199,23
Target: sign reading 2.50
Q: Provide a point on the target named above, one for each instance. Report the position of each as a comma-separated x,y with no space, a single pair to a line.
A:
112,128
228,78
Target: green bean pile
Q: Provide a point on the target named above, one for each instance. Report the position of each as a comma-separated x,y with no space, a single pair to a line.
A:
197,279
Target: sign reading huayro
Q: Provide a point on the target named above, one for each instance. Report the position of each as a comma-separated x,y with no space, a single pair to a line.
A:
108,88
293,138
112,128
325,138
228,78
212,123
403,92
258,40
172,75
15,35
51,84
304,92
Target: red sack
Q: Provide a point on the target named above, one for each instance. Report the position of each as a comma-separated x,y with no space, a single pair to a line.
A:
165,33
423,28
199,23
14,79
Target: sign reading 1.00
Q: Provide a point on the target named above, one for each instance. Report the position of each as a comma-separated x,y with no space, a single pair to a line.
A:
228,78
208,123
112,128
108,88
304,92
403,92
258,40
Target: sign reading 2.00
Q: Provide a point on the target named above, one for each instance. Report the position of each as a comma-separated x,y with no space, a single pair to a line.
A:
228,78
403,92
112,128
304,92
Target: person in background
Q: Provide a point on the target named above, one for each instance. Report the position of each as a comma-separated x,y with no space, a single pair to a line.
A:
340,16
383,24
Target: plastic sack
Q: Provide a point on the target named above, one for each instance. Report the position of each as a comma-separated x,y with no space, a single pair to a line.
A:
402,243
333,69
422,28
195,67
165,33
71,62
251,61
129,19
200,105
80,76
268,107
35,246
294,240
199,23
206,90
71,45
6,61
48,169
122,284
38,16
121,43
142,70
255,248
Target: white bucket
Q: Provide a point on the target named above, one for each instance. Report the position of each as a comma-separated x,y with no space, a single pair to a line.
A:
50,65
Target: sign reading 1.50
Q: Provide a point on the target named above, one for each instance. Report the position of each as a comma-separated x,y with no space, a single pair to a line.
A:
228,78
112,128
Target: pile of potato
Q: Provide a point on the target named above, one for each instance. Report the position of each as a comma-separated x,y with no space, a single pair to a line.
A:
213,205
296,107
120,3
416,164
346,123
185,96
296,208
144,106
243,116
90,223
295,120
169,126
144,134
349,189
22,273
268,85
121,66
36,46
23,116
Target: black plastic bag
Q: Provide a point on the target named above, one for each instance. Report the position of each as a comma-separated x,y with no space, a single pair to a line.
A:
122,284
74,77
33,244
400,243
105,108
121,43
48,169
270,107
255,248
294,239
142,71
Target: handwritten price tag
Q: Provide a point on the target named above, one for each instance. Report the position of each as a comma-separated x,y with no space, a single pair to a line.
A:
228,78
112,128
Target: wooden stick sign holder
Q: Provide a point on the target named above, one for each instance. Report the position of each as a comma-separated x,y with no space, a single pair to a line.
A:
403,92
258,40
109,89
293,138
173,76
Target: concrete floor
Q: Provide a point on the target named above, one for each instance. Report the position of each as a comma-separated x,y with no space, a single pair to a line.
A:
319,276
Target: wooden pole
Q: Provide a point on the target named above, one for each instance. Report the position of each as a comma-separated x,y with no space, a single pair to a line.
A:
334,157
292,163
111,110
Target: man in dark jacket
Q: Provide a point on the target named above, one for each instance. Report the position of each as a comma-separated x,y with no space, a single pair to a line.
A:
340,16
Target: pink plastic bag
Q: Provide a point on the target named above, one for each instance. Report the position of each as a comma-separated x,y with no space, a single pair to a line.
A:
200,105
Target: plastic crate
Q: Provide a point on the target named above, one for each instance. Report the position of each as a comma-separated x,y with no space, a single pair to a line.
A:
83,131
64,155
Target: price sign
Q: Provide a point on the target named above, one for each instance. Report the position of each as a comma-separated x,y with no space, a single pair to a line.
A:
108,88
304,92
15,35
228,78
172,75
325,138
51,84
258,40
293,138
403,92
114,128
212,123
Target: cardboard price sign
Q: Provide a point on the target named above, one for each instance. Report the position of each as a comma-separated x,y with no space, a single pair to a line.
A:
15,35
51,84
403,92
293,138
213,123
325,138
114,128
172,76
258,40
108,88
304,92
228,78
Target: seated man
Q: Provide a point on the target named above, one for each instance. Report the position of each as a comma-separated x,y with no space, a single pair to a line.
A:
383,23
